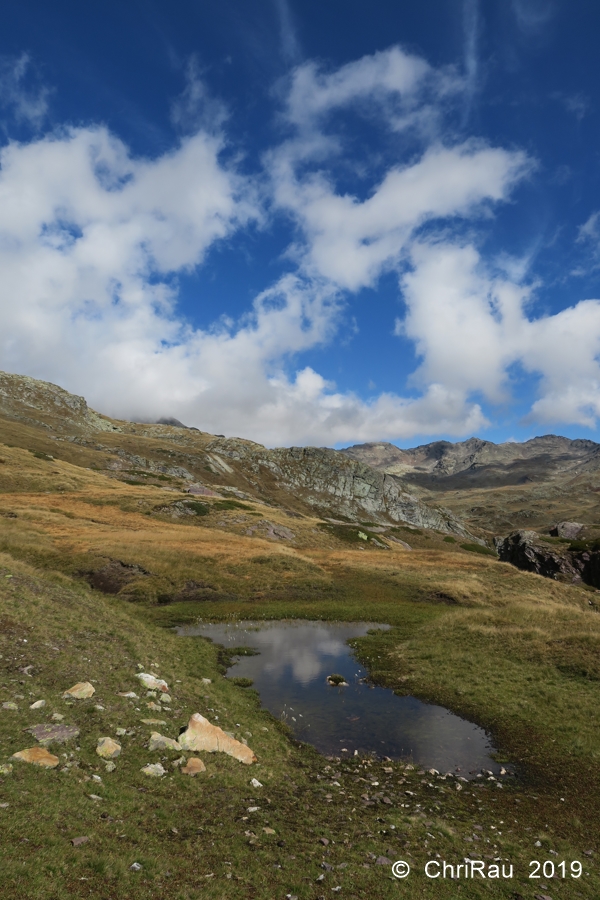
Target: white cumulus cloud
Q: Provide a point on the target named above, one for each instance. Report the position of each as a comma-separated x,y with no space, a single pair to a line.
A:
92,240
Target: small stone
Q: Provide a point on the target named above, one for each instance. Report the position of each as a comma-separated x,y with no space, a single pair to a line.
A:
166,698
39,704
255,783
178,762
207,681
110,767
320,877
80,691
130,695
538,844
95,797
54,734
107,748
153,722
159,742
193,766
57,717
269,831
5,769
97,779
152,683
10,705
154,770
4,805
99,708
155,706
135,867
383,861
253,808
78,841
324,841
38,756
121,731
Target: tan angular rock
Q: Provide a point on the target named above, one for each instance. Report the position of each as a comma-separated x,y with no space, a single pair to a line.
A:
39,704
39,756
193,766
107,748
201,735
159,742
80,691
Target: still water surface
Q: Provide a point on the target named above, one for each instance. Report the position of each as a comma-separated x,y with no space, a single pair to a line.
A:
295,658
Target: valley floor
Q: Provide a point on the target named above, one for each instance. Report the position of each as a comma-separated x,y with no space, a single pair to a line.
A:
511,651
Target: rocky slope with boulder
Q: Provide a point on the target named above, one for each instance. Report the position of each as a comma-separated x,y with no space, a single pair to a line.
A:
572,562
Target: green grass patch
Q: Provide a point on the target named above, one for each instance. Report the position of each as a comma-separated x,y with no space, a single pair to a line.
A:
479,548
200,509
230,504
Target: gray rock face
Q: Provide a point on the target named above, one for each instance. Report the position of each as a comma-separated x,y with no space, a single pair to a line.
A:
566,530
41,402
329,479
525,550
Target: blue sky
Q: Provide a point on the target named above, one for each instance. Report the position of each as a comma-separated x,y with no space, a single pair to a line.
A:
306,223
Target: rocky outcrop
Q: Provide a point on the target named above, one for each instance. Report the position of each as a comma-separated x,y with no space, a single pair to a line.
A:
568,530
330,480
43,403
526,550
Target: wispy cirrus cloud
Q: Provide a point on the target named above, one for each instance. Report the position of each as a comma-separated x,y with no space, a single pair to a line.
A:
21,93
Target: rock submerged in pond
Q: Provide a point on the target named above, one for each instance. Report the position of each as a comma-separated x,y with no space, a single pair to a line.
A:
107,748
54,734
201,735
83,690
193,766
337,681
38,756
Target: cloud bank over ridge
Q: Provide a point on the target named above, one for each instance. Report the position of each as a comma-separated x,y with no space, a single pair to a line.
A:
93,239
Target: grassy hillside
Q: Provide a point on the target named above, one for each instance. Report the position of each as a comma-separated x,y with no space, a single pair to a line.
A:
514,652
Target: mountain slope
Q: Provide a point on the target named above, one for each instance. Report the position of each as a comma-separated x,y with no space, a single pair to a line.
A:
304,480
442,465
